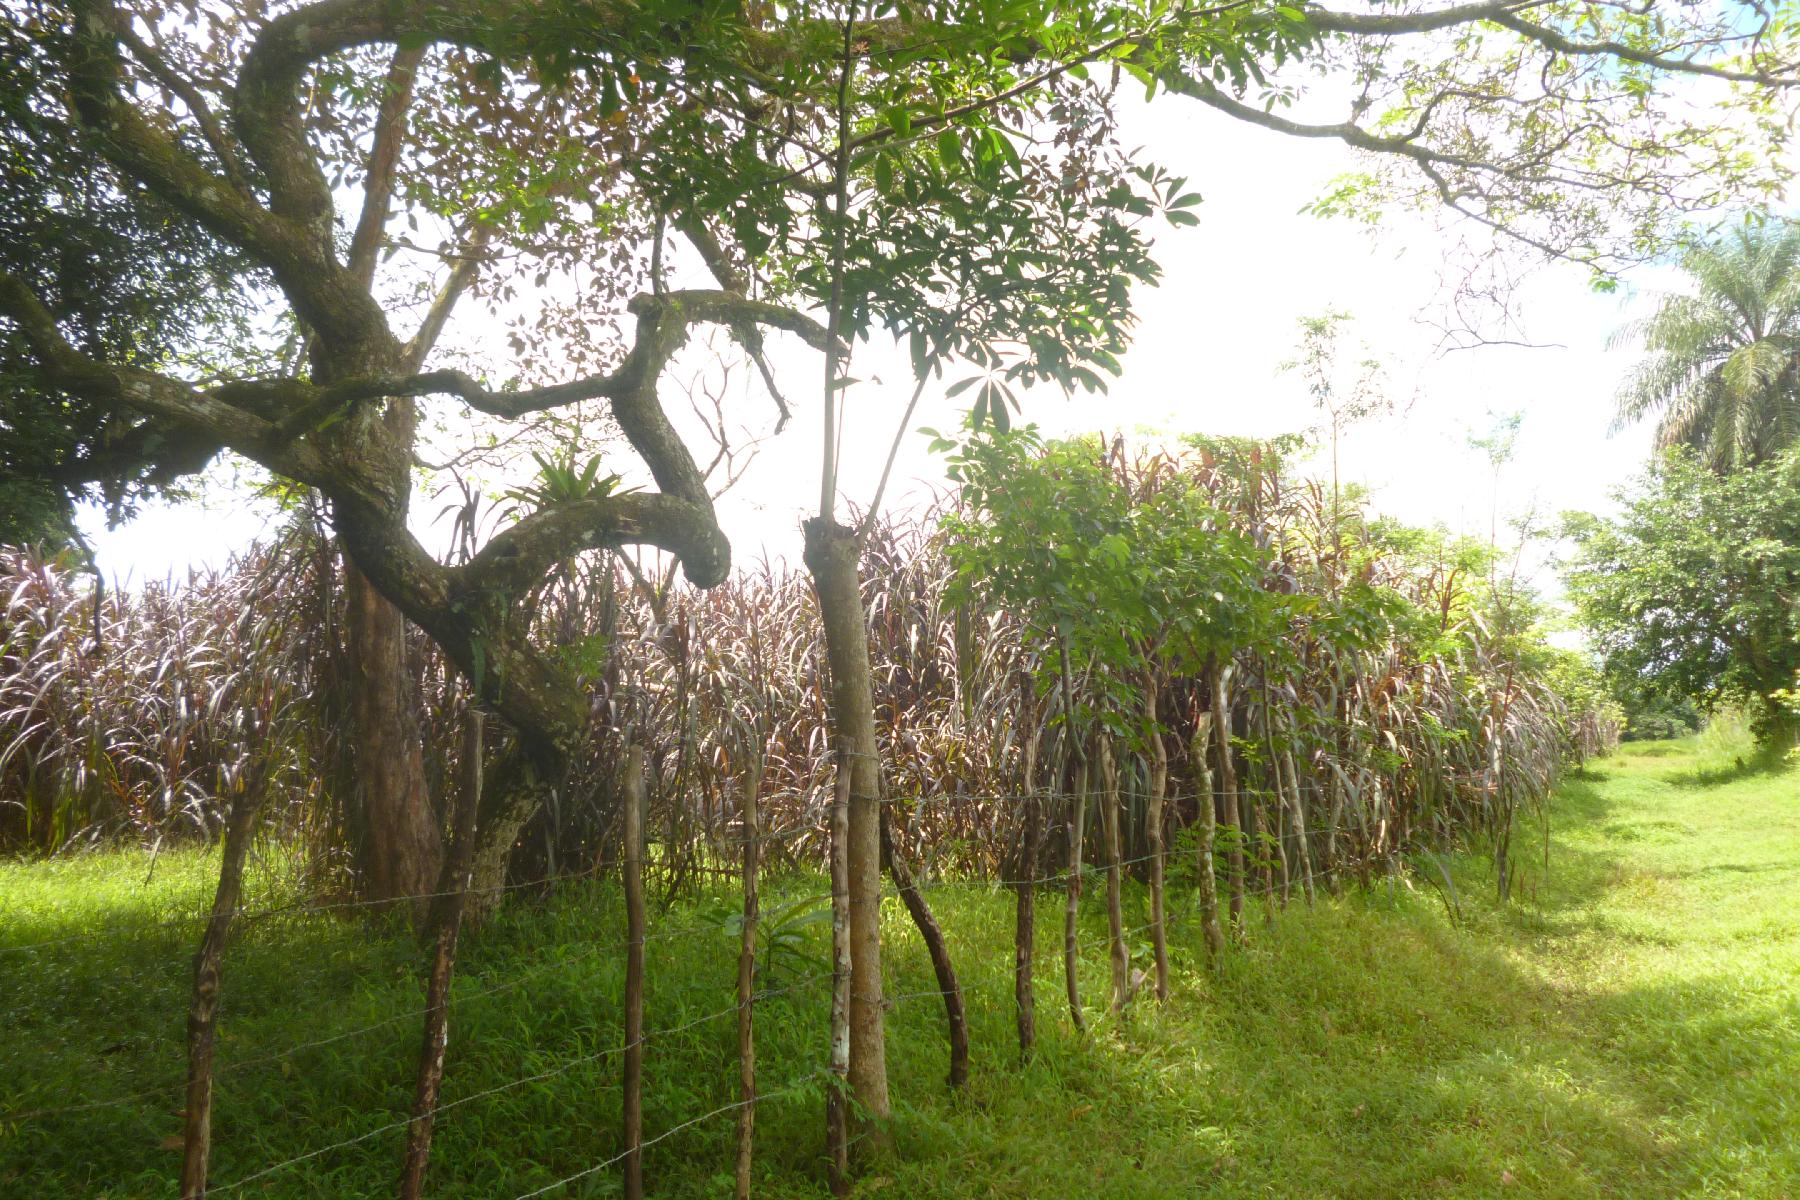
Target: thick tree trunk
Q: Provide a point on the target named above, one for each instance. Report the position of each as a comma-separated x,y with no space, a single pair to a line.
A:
1115,883
446,923
203,1007
1206,820
517,787
832,558
910,895
400,830
400,833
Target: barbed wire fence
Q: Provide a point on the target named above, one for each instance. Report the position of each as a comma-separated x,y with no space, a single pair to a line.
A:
824,1079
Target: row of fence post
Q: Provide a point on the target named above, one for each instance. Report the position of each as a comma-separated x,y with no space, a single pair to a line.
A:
444,926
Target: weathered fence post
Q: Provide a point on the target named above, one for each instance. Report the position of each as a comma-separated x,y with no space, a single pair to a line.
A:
747,986
633,793
1302,848
1115,912
941,966
203,1007
837,1126
1072,901
1154,826
1025,912
1207,824
1229,799
446,922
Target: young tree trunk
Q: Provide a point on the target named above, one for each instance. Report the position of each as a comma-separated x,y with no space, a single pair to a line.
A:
1297,812
746,982
1259,838
1207,823
1153,826
203,1007
837,1123
632,796
1228,791
1271,826
1115,908
954,1017
446,923
831,557
1072,903
1025,924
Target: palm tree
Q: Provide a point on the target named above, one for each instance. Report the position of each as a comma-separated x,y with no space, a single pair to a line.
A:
1723,369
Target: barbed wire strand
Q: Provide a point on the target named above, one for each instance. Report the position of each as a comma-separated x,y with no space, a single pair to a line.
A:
246,917
539,1077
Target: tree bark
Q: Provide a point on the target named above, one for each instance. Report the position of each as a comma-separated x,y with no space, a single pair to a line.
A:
400,832
203,1007
446,923
941,966
832,555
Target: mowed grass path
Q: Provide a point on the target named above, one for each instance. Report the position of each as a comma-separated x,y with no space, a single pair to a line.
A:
1628,1027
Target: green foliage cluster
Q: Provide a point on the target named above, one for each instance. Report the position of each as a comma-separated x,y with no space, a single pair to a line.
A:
1126,570
127,278
1115,577
1723,369
1654,718
1692,592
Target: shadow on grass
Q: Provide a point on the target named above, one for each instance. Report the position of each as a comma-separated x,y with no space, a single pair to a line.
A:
1764,761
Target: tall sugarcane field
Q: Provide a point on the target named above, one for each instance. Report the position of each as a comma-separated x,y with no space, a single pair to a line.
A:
967,599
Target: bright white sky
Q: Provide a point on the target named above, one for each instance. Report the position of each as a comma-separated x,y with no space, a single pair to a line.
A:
1206,358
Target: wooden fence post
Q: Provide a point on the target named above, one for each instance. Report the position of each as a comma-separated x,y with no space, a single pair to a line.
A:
203,1006
919,908
1115,915
747,986
446,923
1025,913
634,973
1072,901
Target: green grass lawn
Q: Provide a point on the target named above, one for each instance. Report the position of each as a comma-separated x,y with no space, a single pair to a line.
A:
1629,1027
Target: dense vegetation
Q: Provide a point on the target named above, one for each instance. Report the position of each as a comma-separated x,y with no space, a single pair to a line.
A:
1692,592
1385,689
1720,368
